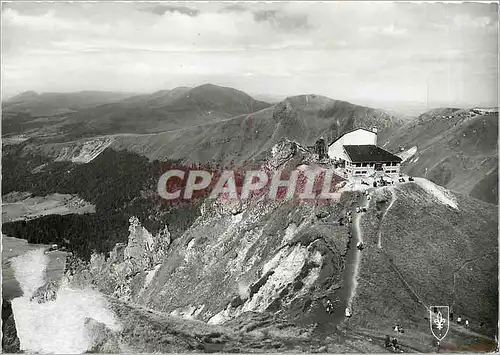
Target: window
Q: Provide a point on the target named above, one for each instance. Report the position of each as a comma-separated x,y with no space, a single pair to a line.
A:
357,172
358,165
395,164
365,164
363,172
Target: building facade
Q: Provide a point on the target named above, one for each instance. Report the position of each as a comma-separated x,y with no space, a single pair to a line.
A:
360,136
370,161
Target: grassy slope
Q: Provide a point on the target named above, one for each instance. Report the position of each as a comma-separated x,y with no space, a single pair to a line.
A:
194,135
47,104
458,153
150,331
432,244
248,138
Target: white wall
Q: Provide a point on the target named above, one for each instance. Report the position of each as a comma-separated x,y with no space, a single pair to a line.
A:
358,137
363,171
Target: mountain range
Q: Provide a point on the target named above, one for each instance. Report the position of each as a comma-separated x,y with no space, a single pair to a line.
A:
211,275
225,126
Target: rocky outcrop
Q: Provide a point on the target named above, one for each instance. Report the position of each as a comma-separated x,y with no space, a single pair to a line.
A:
10,340
282,152
125,271
46,293
259,255
83,151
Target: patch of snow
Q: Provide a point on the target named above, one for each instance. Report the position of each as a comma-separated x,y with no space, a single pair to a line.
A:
289,233
55,326
405,155
150,274
248,240
284,273
271,264
355,186
243,290
221,317
441,194
91,150
30,278
189,312
312,276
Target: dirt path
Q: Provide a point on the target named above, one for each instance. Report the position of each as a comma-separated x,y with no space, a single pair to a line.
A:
351,271
393,199
413,294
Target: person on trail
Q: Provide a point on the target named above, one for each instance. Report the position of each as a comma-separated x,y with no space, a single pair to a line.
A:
466,323
395,343
348,313
459,320
360,245
396,328
329,306
451,315
387,341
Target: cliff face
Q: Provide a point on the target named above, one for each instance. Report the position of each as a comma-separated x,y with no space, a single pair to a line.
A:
270,256
256,256
127,267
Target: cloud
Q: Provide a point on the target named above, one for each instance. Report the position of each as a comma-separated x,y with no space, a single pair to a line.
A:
386,30
278,46
282,20
162,9
234,8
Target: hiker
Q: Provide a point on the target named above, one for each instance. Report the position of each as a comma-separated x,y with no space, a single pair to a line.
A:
329,306
348,313
395,343
359,245
387,341
466,323
401,330
459,320
451,315
396,328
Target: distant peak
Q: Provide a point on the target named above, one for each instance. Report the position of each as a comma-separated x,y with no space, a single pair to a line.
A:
24,96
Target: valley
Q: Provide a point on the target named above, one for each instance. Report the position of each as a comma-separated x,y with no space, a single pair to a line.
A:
255,276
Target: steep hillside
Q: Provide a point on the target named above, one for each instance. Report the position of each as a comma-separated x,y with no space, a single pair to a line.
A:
427,246
247,138
156,99
48,104
260,272
453,148
163,111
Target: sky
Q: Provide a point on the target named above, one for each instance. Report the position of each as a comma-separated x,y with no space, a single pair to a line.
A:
357,51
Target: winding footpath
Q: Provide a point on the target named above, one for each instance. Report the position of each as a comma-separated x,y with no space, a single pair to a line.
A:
412,292
353,260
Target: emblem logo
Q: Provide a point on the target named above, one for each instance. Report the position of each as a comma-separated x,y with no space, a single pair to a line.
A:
439,318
